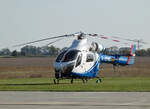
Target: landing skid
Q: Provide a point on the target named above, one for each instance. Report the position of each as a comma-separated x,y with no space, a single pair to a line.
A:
85,80
56,80
99,81
59,77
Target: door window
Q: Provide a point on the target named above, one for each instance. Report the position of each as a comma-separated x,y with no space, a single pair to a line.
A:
79,60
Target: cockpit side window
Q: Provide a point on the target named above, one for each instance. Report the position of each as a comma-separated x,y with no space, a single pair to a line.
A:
60,56
79,60
90,58
71,55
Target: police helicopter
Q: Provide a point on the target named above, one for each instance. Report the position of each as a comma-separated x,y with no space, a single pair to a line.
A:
82,60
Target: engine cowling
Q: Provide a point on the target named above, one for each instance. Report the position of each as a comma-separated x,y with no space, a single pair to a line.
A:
95,47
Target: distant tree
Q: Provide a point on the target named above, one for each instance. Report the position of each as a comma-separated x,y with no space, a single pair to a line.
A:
53,51
148,51
22,53
113,50
39,51
124,51
5,52
45,51
28,51
14,53
141,52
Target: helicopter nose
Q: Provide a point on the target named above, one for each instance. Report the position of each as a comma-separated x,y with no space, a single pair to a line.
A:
64,67
68,68
57,70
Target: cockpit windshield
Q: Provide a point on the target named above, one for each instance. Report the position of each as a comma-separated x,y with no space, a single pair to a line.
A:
71,55
60,56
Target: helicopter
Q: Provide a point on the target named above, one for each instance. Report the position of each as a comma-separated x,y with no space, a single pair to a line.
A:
83,60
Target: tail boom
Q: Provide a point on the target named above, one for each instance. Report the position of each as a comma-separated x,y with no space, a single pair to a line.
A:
118,59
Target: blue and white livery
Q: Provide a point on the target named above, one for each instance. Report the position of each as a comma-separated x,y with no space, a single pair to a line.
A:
82,60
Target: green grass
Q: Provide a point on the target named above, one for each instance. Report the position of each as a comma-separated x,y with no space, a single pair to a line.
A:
120,84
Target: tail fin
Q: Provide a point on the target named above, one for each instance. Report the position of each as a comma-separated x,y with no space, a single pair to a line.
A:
131,57
132,50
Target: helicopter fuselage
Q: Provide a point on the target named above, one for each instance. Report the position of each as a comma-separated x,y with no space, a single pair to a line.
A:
77,61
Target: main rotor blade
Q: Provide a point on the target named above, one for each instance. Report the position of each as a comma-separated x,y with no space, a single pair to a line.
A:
44,40
135,40
54,41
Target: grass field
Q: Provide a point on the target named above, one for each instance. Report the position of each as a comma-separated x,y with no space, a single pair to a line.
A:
123,84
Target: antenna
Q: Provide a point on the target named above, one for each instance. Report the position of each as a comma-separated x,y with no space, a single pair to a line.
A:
139,42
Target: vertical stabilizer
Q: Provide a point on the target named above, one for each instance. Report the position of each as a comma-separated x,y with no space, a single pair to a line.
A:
131,57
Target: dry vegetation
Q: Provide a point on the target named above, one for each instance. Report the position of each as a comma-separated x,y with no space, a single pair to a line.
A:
140,68
26,67
43,67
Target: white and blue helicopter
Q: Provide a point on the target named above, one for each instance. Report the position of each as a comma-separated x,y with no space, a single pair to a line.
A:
82,60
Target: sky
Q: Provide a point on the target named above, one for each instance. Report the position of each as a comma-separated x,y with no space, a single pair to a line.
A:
28,20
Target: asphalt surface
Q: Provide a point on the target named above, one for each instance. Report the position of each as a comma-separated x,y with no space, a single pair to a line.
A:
74,100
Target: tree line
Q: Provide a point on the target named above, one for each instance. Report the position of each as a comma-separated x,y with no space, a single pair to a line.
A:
53,51
31,51
126,51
